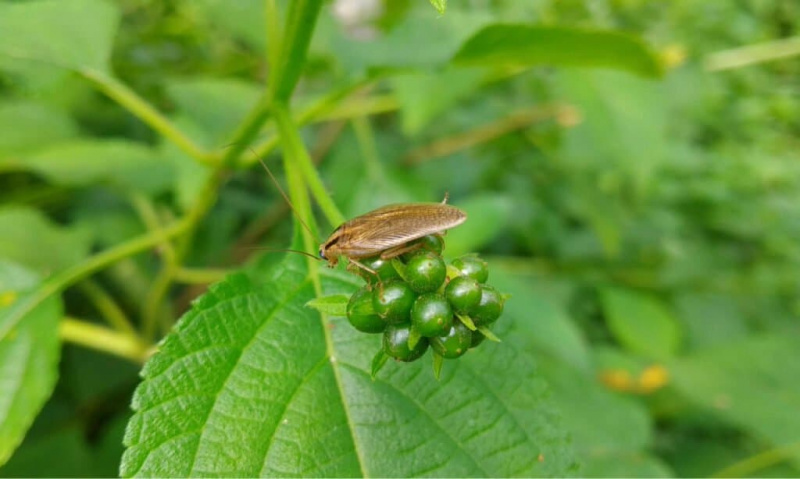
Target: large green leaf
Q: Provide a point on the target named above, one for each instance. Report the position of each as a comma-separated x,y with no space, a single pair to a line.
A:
641,323
120,163
29,238
76,34
252,383
28,356
530,45
751,383
25,126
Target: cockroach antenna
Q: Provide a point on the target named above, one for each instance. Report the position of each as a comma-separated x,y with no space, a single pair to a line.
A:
288,201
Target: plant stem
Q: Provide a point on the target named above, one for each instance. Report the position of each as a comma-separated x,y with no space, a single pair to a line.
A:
153,308
753,54
199,275
290,138
60,281
109,308
143,110
102,339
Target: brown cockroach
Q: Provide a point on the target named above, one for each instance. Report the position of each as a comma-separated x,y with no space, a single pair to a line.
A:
386,231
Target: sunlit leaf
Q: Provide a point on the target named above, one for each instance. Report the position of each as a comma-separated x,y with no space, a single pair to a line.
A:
641,323
29,354
76,34
252,383
512,45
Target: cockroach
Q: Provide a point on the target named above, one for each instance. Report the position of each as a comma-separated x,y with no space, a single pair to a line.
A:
386,231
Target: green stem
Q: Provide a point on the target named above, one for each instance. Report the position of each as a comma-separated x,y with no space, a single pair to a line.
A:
274,33
109,308
327,105
288,67
153,310
290,138
126,97
750,466
102,339
58,282
200,275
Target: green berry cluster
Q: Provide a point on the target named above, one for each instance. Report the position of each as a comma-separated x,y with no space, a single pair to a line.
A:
419,302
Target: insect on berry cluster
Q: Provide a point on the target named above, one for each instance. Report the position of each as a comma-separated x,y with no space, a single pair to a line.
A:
418,302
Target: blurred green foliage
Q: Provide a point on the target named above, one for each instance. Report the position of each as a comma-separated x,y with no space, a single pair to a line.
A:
645,218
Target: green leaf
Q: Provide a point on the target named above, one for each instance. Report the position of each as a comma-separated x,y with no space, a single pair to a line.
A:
243,19
602,422
334,305
439,5
76,34
216,106
551,330
641,323
422,40
625,465
529,45
423,96
29,355
31,239
623,126
121,163
252,383
26,126
751,384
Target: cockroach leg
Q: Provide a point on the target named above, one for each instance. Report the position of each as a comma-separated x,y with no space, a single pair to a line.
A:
400,249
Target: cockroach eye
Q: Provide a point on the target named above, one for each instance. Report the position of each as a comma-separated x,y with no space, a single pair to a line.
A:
322,254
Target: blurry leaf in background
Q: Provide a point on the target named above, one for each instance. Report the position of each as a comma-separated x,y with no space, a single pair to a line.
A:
531,45
439,5
76,35
31,239
550,329
29,353
612,433
425,95
750,383
275,393
63,453
491,214
26,126
243,19
621,127
216,106
120,163
710,319
421,40
641,323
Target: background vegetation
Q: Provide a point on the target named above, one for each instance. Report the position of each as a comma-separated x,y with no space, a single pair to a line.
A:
630,169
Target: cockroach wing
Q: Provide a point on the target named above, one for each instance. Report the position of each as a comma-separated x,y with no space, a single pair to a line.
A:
394,225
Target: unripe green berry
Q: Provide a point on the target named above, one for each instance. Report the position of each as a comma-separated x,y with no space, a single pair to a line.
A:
489,308
425,272
395,343
361,314
473,267
383,267
431,315
463,293
431,243
453,344
392,301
